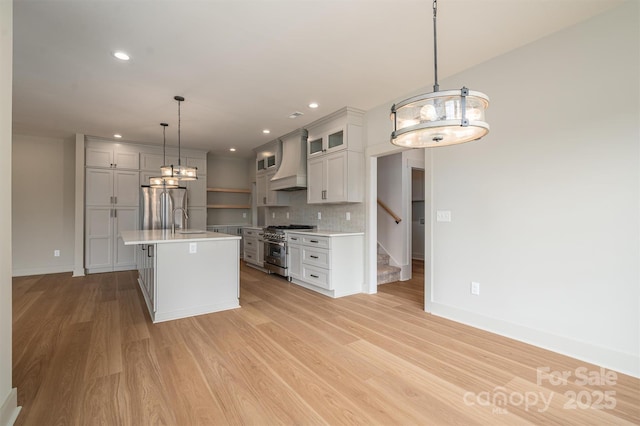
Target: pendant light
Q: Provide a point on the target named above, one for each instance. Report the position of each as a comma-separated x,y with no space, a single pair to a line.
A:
180,172
166,182
439,118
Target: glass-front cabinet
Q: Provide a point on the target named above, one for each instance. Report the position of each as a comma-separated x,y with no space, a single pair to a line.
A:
327,142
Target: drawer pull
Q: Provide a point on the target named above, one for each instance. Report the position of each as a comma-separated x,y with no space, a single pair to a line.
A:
313,257
314,276
249,244
294,239
314,241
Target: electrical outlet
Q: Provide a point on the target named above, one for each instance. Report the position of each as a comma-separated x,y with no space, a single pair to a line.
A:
443,215
56,253
319,216
273,215
287,215
475,288
244,215
348,216
193,248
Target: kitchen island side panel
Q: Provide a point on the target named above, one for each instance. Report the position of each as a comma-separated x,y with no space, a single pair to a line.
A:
197,283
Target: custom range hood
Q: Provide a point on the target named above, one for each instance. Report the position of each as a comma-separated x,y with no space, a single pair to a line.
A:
292,173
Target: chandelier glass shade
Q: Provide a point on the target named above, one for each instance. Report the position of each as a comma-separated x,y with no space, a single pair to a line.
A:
439,118
164,181
180,172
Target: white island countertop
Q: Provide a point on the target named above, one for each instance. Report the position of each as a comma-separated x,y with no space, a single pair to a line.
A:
160,236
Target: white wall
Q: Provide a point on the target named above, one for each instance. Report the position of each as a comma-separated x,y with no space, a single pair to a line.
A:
43,204
545,209
8,396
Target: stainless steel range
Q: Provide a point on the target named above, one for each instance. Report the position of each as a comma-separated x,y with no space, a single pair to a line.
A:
275,247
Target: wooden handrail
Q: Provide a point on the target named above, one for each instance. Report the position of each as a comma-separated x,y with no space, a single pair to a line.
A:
386,208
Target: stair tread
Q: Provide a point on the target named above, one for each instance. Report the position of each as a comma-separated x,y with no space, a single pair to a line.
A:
387,268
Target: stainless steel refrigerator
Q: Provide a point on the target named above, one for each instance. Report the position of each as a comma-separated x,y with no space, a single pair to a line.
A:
158,208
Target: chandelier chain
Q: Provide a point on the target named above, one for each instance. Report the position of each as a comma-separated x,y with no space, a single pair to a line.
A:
436,86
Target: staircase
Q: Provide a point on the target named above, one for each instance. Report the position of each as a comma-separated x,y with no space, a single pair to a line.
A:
386,272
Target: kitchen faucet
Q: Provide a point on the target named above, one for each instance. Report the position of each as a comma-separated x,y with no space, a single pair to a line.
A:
173,222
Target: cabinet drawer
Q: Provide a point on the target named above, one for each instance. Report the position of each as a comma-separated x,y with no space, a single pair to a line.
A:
322,242
251,255
251,243
316,256
316,276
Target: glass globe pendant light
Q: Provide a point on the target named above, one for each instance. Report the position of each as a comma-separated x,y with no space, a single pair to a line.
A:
439,118
166,182
180,172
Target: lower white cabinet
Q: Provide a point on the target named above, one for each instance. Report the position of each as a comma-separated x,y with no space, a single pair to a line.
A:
105,251
329,263
253,246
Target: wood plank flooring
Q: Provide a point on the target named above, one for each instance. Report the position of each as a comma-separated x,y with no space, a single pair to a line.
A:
86,353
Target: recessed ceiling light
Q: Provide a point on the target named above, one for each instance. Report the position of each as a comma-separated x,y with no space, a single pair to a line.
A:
313,105
266,131
121,55
232,149
117,135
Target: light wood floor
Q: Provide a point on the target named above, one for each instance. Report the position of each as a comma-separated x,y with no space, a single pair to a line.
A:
86,353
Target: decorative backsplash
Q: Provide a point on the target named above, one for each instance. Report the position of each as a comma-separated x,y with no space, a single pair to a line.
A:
334,216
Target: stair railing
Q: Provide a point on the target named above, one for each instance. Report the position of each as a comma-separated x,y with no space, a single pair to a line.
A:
386,208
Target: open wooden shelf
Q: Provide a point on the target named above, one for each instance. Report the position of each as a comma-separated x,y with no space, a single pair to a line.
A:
237,191
228,206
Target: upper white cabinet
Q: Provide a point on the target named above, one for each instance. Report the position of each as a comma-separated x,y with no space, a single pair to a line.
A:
152,161
112,155
335,132
265,196
336,178
268,157
335,166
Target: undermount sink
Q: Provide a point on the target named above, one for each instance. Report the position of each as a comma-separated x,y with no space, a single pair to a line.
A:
192,231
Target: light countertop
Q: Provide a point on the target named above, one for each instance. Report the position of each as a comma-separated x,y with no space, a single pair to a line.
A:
326,233
160,236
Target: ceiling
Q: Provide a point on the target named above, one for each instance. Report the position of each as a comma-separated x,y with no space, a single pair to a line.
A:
246,65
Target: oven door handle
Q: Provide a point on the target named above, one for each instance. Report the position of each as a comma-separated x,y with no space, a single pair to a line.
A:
276,243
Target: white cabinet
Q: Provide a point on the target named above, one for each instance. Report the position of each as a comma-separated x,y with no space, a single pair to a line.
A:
294,256
112,155
335,158
253,246
332,265
336,178
111,199
152,161
265,195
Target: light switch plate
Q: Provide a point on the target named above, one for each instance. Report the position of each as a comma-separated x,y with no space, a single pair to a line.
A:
287,215
319,215
244,215
348,216
443,215
193,248
475,288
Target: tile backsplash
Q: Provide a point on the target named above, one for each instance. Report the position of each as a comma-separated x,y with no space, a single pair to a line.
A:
334,216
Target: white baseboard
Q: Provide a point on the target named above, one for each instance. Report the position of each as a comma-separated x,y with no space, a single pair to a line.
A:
9,410
41,271
622,362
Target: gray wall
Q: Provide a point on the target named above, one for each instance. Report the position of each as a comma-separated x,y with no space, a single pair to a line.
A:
43,204
545,209
228,172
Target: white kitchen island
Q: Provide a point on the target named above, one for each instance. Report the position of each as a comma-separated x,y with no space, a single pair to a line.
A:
187,273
